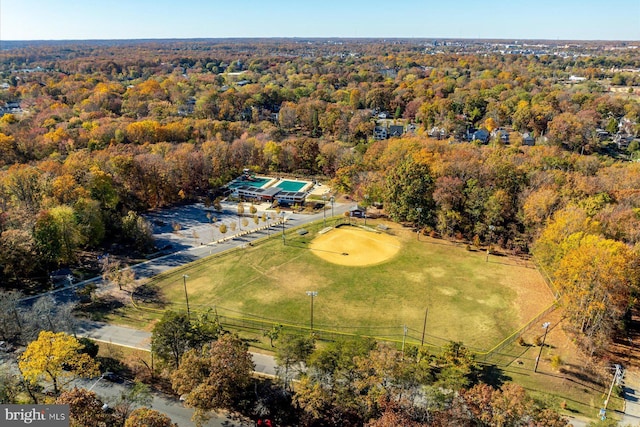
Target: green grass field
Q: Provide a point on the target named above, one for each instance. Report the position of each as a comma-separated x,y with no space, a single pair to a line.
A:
468,299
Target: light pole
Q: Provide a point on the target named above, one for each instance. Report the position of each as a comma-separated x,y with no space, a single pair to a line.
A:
545,325
366,203
312,294
491,228
332,199
324,212
284,241
419,210
186,296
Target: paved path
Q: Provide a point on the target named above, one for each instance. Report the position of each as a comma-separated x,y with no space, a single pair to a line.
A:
631,399
133,338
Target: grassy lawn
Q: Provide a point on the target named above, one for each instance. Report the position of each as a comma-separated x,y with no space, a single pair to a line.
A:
468,298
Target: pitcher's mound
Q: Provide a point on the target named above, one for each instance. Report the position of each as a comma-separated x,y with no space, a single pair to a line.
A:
353,246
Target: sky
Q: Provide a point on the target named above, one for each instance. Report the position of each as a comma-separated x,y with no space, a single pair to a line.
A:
161,19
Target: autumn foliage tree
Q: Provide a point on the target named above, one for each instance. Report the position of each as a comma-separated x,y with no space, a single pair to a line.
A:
215,376
56,357
146,417
85,409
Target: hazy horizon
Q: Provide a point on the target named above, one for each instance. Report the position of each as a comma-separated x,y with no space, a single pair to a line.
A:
70,20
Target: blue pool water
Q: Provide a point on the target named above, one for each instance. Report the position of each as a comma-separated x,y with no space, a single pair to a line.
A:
255,182
291,185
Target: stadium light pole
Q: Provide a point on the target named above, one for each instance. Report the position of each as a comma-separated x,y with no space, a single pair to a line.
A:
312,294
284,241
186,296
332,199
366,203
545,325
324,212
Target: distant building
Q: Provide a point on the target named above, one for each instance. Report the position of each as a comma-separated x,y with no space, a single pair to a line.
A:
395,131
481,135
527,139
380,133
501,134
438,133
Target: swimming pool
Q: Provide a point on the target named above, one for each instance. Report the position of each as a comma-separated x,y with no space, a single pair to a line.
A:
291,185
257,182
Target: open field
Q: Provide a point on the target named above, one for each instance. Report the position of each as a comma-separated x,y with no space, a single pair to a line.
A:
468,299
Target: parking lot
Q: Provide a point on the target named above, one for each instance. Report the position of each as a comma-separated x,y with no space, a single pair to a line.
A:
184,227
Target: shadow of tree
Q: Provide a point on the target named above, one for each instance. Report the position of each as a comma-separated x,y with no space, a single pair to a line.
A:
149,294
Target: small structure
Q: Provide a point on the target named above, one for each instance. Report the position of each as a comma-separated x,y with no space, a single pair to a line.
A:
380,133
438,133
501,134
290,197
527,139
481,135
395,131
357,212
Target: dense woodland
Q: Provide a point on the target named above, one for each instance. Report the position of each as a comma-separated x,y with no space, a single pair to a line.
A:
105,131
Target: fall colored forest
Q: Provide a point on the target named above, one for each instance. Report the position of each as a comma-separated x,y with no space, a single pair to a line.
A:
94,134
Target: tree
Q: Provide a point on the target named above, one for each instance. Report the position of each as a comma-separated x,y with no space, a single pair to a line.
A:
458,367
18,256
47,236
10,322
10,386
85,409
137,395
214,377
292,352
138,231
114,272
56,357
596,278
172,337
69,232
409,186
146,417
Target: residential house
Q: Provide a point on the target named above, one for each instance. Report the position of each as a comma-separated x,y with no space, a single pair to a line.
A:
501,134
622,140
438,133
380,133
527,139
481,135
395,131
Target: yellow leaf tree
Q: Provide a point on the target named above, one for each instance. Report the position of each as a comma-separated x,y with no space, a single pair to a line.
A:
56,357
597,278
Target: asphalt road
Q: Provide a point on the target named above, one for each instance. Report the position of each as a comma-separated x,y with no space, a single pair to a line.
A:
109,393
133,338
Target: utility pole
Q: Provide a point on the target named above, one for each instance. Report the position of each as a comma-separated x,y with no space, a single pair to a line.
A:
284,241
424,326
324,212
186,296
312,294
332,199
614,381
404,338
545,325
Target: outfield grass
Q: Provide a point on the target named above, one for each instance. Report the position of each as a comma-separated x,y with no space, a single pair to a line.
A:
468,299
